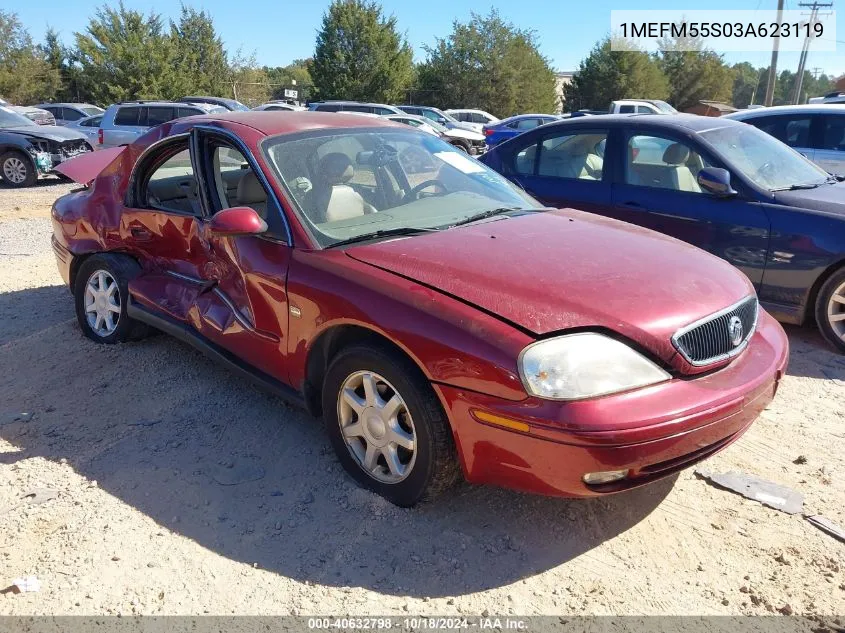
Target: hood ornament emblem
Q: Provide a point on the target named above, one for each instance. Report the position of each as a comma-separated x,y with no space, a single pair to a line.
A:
735,330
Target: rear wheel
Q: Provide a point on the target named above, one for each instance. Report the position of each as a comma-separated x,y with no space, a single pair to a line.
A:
17,170
387,426
101,294
830,310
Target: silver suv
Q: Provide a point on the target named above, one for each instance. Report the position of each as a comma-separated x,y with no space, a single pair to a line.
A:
124,122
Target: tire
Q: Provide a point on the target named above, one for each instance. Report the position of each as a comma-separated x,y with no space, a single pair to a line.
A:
17,170
107,267
432,467
830,310
464,147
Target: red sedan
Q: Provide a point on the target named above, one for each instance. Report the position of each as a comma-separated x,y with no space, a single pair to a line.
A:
441,321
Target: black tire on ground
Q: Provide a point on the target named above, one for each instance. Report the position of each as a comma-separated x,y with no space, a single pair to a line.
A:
830,287
461,145
122,269
435,468
30,176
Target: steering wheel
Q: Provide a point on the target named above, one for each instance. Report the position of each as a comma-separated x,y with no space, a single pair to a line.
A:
414,194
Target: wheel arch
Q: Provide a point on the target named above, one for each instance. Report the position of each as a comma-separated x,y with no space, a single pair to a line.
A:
328,344
20,149
810,305
80,258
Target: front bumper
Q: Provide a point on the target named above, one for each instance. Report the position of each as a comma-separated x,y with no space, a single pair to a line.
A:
650,432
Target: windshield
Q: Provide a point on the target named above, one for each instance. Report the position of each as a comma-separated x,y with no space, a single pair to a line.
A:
8,118
763,159
437,126
355,182
238,106
664,107
92,110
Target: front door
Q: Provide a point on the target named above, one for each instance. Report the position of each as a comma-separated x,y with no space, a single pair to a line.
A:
659,190
229,290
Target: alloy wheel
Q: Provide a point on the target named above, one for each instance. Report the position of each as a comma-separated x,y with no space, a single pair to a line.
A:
14,170
377,427
836,311
102,303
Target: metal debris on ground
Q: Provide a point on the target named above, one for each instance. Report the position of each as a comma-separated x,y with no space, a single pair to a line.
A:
751,487
34,497
827,526
26,585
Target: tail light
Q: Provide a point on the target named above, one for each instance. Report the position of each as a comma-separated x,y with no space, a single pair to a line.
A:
100,136
488,131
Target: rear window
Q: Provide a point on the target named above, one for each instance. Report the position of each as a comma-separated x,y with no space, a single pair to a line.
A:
127,116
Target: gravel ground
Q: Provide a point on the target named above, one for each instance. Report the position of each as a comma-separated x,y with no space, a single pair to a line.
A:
183,490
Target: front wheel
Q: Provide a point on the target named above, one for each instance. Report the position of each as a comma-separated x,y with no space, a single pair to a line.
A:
387,426
17,170
830,310
101,295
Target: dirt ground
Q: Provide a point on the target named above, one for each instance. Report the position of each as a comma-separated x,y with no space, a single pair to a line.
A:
183,490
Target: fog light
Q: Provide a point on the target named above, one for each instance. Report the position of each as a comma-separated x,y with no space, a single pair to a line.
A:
604,477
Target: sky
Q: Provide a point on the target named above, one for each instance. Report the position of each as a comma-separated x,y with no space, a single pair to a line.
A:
279,31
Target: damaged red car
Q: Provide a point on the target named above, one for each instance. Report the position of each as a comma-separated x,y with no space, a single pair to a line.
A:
442,322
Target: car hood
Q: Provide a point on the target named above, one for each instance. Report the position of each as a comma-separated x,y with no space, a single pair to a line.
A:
48,132
554,271
830,198
470,135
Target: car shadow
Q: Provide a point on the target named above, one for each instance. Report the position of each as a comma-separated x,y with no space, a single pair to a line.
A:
209,457
27,312
811,356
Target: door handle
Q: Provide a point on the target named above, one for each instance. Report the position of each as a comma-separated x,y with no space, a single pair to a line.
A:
140,233
636,206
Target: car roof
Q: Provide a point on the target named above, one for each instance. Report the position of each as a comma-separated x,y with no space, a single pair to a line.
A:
517,117
810,108
74,104
271,123
680,122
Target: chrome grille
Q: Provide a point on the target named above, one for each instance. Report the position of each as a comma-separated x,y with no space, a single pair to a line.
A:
711,339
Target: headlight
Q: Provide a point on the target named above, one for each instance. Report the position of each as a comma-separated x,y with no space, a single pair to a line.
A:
584,365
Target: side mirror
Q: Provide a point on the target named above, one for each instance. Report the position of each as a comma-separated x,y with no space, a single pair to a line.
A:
442,121
237,221
716,181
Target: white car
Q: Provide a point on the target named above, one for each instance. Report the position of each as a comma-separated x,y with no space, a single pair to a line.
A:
477,119
469,141
641,106
817,131
89,126
279,106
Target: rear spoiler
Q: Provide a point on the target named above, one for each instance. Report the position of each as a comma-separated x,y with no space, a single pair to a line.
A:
86,167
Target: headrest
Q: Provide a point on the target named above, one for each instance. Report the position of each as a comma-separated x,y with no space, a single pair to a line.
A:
676,154
336,168
250,190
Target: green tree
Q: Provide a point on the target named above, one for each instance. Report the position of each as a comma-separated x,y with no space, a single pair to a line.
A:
360,55
695,73
488,63
125,55
281,77
607,75
26,75
749,85
250,83
202,67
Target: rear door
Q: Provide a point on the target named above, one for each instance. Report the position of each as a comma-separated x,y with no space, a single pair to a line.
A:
658,189
564,168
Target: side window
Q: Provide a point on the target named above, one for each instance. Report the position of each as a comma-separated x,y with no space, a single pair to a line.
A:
428,114
126,116
663,163
329,108
69,114
160,114
792,130
171,185
833,132
477,117
577,155
524,160
644,110
527,124
384,111
626,109
94,121
181,111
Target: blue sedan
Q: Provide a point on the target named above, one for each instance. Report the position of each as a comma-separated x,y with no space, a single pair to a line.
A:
721,185
502,130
